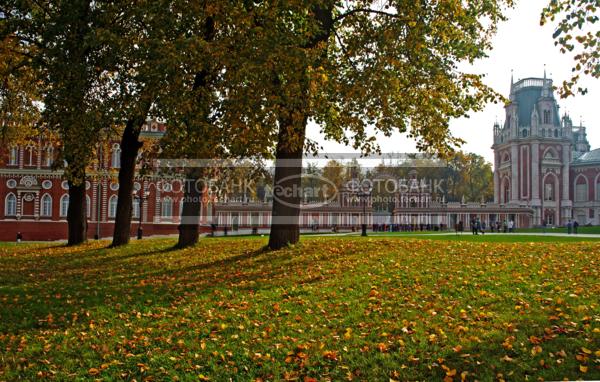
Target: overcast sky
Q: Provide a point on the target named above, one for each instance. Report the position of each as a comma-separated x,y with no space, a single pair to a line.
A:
522,45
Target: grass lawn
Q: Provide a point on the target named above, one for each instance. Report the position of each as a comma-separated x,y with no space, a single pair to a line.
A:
499,238
580,229
331,308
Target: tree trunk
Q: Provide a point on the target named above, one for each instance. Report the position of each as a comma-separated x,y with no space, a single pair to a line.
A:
287,189
190,214
76,214
130,146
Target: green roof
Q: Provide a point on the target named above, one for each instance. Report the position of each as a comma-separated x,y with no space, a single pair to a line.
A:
591,157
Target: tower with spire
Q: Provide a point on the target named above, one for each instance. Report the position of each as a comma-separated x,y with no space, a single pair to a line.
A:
533,151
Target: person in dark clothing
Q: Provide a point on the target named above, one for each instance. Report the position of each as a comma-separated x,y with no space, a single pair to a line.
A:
474,226
575,226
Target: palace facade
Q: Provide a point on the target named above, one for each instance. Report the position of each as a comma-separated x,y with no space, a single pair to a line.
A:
543,160
544,173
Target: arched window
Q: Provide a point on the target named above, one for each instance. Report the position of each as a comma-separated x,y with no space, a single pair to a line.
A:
10,205
116,156
64,205
166,210
13,157
46,204
88,206
598,188
112,206
29,155
505,190
49,155
135,208
550,187
524,133
556,133
581,189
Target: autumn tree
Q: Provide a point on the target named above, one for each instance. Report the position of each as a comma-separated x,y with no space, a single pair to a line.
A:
390,65
333,171
142,42
70,55
222,109
577,33
468,175
19,94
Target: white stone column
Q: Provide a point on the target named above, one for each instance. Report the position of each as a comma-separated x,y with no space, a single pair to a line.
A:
535,173
496,178
565,170
514,167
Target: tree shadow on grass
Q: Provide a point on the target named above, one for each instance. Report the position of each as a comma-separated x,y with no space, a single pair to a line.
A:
30,299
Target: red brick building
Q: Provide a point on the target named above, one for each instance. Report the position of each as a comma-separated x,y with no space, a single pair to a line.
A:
544,161
36,199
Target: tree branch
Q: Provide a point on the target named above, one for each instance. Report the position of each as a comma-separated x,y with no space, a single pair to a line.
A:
367,10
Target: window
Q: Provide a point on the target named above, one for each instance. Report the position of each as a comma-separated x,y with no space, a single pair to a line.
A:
88,206
46,204
598,189
547,116
167,208
581,192
524,133
549,191
543,132
10,205
13,158
135,208
116,156
64,205
49,150
556,133
29,155
112,206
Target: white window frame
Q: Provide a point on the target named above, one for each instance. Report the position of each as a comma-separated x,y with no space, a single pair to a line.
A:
13,156
166,208
116,156
88,206
46,206
64,205
10,205
112,206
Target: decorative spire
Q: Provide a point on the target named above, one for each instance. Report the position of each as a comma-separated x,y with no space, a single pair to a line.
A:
512,86
546,89
544,73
